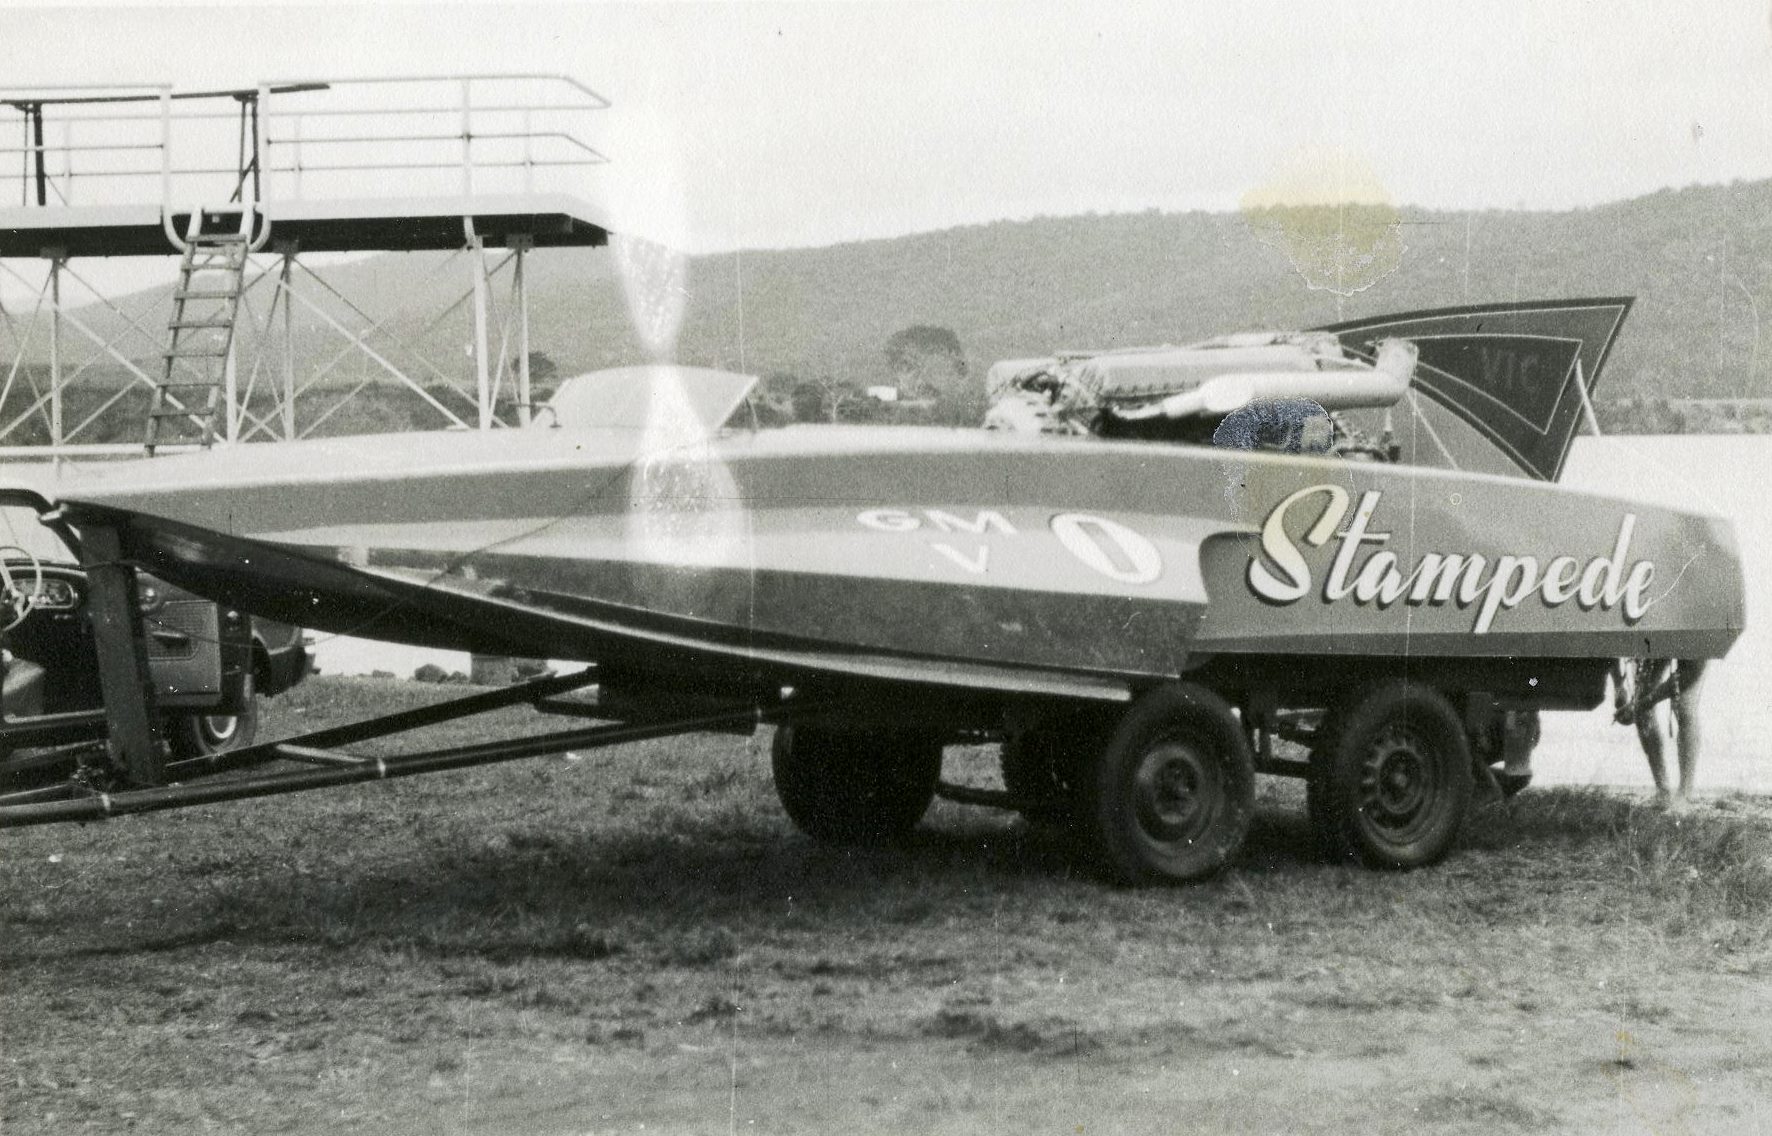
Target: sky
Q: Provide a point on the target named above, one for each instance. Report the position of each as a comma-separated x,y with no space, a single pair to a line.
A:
767,125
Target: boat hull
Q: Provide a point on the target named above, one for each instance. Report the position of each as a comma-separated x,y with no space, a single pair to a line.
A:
1072,566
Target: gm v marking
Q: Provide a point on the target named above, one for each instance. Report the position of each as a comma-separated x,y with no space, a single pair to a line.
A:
1106,547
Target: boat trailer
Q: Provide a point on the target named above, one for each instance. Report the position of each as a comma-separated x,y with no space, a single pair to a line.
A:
1159,785
132,771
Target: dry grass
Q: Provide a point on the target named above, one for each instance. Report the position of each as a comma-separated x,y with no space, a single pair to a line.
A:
546,941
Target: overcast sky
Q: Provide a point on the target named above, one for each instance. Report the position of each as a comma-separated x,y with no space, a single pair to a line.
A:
759,125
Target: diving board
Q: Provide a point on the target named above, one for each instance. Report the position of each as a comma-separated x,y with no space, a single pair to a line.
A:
380,224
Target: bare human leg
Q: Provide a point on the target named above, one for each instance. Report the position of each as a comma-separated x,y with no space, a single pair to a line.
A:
1649,731
1689,734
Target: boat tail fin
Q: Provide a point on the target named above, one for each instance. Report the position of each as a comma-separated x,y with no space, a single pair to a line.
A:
1513,374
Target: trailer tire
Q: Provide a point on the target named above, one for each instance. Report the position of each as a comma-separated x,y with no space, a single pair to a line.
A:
854,787
1316,793
1170,796
1041,764
1390,782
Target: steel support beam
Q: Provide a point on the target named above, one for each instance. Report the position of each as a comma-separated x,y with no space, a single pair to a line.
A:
35,112
231,385
520,286
59,316
56,259
287,251
482,374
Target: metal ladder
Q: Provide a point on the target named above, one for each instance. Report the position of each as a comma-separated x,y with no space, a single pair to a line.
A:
205,306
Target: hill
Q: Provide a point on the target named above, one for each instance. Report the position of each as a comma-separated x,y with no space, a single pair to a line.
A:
1699,260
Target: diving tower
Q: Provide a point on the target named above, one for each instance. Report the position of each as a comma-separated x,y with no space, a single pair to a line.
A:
236,189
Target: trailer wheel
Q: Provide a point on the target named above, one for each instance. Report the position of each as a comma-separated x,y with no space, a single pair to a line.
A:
1170,797
1389,786
1316,792
1041,764
854,787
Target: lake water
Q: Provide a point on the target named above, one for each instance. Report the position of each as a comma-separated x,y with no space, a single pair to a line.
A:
1726,474
1730,475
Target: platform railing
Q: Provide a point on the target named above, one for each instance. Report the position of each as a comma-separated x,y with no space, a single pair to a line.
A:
47,166
155,144
450,127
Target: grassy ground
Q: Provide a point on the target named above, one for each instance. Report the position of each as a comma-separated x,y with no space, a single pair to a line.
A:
635,938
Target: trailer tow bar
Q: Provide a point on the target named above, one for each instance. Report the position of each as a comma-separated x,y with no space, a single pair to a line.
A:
328,765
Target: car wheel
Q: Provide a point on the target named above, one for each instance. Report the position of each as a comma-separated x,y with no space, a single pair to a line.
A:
205,735
1512,784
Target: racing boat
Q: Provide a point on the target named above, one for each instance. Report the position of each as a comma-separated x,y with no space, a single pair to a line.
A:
1135,618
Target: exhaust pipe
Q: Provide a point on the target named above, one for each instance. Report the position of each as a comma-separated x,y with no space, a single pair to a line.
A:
1379,385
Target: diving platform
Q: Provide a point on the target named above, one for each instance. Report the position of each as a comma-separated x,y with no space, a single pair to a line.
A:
381,224
235,187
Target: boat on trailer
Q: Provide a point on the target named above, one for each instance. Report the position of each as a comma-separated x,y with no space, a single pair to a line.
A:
1135,620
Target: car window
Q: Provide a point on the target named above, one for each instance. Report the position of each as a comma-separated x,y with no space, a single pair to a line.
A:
20,528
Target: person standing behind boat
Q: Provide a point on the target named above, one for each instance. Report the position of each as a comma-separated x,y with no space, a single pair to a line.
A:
1289,425
1642,684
